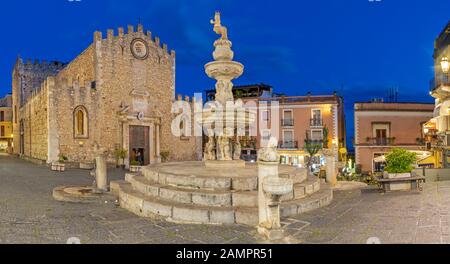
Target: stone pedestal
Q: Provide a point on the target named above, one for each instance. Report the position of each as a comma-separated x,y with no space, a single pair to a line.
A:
270,190
331,166
331,170
101,173
265,170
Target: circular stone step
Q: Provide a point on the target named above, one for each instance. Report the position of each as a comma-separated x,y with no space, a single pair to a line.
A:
85,194
195,175
213,197
180,195
191,192
147,206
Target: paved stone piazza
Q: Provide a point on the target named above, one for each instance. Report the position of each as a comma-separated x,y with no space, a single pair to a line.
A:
28,214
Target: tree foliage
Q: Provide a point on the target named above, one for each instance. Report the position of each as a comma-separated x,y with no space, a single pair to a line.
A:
400,161
312,147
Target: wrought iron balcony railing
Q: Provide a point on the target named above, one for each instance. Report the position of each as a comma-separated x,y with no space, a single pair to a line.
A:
440,80
288,145
316,122
381,141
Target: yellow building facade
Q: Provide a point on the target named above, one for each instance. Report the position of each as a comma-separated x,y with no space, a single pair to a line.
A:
6,126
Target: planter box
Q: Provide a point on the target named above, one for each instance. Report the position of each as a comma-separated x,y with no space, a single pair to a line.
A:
398,186
87,166
60,167
136,169
396,175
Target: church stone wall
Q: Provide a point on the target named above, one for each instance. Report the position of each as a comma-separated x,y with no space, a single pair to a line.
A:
27,79
114,87
74,86
146,86
35,122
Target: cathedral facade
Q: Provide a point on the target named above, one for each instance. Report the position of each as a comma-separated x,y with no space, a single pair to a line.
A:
116,96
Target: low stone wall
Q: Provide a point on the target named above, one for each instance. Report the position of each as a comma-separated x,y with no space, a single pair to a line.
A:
434,174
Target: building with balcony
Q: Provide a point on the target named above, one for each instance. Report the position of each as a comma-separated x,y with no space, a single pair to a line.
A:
379,127
247,93
6,126
292,119
438,129
319,118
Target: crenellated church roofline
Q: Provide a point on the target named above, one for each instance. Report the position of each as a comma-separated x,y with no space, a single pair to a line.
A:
111,35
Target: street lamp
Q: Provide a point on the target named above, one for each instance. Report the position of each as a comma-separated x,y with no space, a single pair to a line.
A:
445,65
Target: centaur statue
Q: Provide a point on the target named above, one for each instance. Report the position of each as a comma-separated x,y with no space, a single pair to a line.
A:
218,28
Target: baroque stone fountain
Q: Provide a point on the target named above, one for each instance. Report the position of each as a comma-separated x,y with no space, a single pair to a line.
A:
222,189
224,147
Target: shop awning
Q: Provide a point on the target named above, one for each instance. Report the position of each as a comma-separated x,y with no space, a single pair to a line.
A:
427,161
423,157
380,159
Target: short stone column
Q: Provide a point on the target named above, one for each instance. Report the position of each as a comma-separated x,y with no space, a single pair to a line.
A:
331,166
270,190
265,170
101,173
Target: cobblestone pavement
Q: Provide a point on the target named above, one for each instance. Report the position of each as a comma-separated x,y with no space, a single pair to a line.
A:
28,214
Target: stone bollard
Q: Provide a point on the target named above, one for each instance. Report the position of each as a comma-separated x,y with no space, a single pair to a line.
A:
270,190
101,173
331,163
265,170
331,171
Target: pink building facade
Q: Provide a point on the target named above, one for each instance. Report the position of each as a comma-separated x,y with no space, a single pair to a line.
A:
320,118
379,127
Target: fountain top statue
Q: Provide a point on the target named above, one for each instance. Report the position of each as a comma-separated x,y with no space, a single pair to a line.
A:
218,28
223,69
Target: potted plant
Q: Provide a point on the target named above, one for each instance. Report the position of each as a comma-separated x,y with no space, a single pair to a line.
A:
399,163
60,166
165,155
121,154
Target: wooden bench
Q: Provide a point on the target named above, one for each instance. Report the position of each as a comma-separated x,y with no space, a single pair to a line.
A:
416,182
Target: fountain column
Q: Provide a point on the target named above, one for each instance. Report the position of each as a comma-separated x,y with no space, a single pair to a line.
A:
223,69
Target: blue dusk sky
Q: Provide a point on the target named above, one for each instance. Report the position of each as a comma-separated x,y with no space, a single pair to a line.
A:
359,48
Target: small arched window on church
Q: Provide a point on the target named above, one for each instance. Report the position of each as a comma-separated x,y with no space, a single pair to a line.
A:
184,128
80,122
